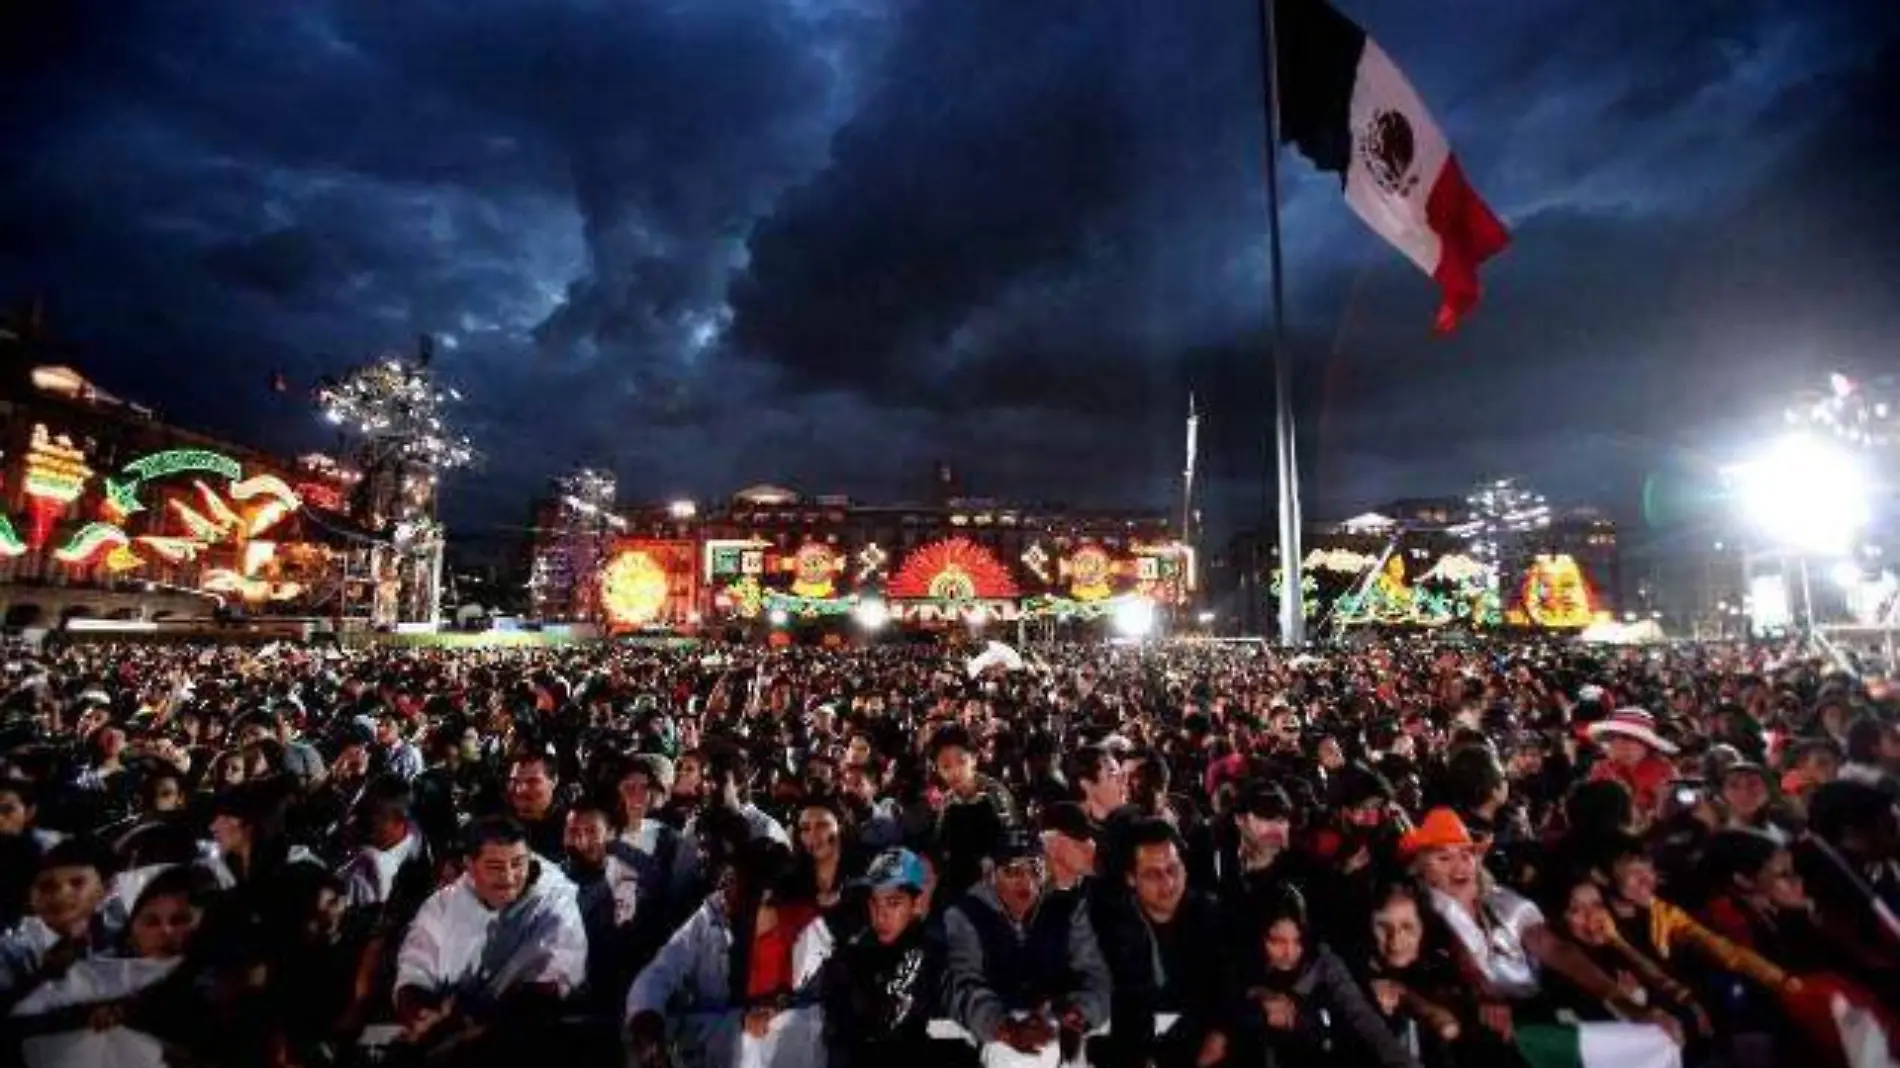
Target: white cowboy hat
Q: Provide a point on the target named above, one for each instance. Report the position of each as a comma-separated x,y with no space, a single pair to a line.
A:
1633,723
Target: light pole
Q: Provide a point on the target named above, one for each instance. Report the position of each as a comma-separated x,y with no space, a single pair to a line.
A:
1808,496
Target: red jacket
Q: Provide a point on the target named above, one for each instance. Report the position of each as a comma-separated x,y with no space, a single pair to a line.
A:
1645,780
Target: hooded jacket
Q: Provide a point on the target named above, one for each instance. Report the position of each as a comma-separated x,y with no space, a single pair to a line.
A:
998,966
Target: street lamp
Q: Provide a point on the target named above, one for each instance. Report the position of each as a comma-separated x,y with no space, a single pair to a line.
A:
872,614
1808,495
682,509
1134,618
779,617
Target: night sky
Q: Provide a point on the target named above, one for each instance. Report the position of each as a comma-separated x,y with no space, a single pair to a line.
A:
825,242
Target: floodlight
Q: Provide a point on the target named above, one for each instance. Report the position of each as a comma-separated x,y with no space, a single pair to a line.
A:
1804,493
1135,617
872,614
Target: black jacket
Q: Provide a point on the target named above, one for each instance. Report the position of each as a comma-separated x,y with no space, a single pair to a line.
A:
1183,968
879,999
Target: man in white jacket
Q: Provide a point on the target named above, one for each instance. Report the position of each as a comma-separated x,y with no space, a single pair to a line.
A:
508,933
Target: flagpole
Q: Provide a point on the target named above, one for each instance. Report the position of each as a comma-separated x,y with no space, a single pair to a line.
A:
1292,600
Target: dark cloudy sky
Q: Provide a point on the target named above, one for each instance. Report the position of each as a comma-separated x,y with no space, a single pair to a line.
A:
823,242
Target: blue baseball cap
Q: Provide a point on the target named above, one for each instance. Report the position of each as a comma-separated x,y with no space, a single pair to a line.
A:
897,869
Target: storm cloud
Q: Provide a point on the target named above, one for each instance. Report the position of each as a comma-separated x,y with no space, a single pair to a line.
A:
826,242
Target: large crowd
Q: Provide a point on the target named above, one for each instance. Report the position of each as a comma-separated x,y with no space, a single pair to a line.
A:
1403,853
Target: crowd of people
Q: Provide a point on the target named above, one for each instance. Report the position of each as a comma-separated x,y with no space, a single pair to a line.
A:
1402,853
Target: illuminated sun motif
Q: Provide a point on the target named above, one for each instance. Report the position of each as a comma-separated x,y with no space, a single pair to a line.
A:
955,569
633,589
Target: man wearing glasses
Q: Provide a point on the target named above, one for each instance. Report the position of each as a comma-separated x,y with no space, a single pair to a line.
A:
1026,976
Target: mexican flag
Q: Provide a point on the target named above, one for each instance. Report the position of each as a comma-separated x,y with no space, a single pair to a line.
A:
1590,1045
1347,108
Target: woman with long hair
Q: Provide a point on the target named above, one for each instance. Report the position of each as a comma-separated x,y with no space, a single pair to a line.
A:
1306,1005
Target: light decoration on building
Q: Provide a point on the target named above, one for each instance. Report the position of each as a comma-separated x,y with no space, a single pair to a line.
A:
200,528
11,544
1090,571
1339,561
322,495
953,569
120,559
1502,513
174,550
1556,595
225,580
794,605
394,400
1860,412
215,508
56,474
633,588
1036,559
813,566
871,561
89,541
122,493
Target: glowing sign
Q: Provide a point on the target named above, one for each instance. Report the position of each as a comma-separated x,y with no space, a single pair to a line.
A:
633,588
954,569
172,461
122,496
91,540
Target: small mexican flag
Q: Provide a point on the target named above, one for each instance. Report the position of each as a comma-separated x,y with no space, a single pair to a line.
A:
1597,1045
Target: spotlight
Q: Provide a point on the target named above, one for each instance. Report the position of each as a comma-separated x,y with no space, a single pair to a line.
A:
1134,617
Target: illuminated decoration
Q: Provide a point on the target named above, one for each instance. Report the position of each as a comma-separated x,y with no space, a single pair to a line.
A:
1339,561
1166,572
1064,609
808,607
322,495
1457,568
215,507
1089,570
257,554
871,561
10,542
201,529
633,588
175,461
225,580
56,474
271,514
812,568
1556,595
1309,590
265,485
122,559
1036,559
175,550
55,468
744,599
1860,412
725,557
122,493
953,569
928,612
91,540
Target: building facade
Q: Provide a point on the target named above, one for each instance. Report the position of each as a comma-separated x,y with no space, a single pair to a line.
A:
99,493
772,553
